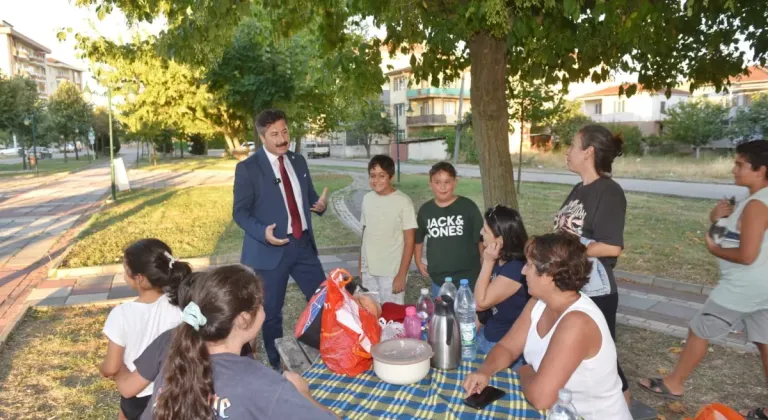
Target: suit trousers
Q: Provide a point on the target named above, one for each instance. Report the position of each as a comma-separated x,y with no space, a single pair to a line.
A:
300,262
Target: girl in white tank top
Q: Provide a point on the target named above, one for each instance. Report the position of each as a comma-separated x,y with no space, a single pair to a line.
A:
595,384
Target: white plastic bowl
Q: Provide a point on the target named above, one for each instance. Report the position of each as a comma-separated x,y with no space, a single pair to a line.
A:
401,361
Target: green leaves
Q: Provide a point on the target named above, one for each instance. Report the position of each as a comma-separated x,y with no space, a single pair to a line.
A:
696,122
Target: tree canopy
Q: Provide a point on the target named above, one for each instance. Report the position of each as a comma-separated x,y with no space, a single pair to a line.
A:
751,122
664,42
696,122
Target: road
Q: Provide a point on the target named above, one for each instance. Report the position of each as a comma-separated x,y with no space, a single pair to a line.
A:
675,188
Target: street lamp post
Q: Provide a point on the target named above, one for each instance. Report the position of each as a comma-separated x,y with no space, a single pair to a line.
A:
30,120
409,113
87,96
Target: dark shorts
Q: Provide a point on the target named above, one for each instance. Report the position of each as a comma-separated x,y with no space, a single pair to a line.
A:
134,406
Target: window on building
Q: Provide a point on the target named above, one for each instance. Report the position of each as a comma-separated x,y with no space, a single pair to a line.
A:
449,108
598,108
401,83
401,135
424,108
618,106
399,110
663,107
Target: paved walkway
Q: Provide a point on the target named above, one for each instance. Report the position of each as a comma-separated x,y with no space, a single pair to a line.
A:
677,188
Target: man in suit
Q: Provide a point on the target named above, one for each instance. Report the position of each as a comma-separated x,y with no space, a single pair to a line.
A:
274,201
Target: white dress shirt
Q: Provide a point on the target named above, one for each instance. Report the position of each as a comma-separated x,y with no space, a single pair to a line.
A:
294,183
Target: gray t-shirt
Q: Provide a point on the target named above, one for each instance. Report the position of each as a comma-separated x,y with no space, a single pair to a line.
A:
246,389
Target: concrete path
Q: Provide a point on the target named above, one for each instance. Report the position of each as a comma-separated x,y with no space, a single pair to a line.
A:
677,188
34,215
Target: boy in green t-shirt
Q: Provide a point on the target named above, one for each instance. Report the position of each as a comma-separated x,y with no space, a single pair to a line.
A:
453,225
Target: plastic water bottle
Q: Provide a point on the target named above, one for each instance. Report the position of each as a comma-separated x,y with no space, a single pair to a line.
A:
412,323
424,309
448,288
563,408
465,313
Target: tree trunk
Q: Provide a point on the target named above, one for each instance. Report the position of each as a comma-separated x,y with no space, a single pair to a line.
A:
230,143
698,149
490,118
298,146
65,150
77,155
520,157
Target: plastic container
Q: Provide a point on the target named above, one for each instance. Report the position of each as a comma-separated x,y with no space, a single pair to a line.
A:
448,288
412,323
563,408
465,315
424,309
401,361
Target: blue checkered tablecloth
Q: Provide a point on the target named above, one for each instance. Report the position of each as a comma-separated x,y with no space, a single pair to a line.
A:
438,396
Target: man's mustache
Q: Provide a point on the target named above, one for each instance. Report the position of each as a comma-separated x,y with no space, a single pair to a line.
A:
282,144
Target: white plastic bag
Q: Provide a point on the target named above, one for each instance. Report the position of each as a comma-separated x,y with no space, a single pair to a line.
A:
391,330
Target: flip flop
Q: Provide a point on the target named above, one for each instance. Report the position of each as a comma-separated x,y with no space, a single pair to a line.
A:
664,392
756,414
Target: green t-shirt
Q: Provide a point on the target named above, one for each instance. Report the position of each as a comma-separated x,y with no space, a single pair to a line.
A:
454,234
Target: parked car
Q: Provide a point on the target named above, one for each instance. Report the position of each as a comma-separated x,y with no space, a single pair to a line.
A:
11,151
314,150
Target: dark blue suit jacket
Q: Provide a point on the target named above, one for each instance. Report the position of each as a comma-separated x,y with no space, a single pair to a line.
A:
259,203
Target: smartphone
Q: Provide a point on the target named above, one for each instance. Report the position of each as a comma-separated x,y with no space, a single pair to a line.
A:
484,398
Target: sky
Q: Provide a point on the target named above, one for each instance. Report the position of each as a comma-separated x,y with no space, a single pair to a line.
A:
41,20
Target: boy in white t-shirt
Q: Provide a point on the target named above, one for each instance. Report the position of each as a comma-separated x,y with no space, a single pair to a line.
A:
151,270
389,231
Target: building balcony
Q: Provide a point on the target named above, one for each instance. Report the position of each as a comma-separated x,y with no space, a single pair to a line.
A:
436,93
431,120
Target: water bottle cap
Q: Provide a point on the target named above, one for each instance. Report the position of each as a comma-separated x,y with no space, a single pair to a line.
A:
564,395
425,291
464,282
449,279
410,310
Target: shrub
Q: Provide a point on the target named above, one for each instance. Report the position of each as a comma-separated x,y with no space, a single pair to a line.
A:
633,137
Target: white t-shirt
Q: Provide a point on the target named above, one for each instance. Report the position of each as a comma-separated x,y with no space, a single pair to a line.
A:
595,384
385,217
134,325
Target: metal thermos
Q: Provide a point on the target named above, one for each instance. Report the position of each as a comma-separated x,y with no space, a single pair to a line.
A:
444,335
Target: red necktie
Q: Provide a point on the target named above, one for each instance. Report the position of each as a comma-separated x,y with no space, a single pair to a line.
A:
293,208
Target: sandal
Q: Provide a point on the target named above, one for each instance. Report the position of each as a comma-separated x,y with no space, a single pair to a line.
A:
756,414
663,391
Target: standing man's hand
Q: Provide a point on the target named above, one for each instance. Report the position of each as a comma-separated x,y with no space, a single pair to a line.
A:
269,235
398,284
319,206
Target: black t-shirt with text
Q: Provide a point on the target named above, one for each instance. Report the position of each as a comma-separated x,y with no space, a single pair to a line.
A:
596,211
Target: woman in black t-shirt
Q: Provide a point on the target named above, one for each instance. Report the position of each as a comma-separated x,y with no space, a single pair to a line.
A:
595,211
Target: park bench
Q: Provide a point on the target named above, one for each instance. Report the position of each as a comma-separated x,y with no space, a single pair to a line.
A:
297,357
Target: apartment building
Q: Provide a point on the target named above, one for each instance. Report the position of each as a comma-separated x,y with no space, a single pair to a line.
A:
22,56
60,72
645,109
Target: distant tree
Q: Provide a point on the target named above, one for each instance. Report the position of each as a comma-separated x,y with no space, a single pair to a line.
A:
565,124
100,124
367,123
18,100
69,114
751,122
696,123
632,136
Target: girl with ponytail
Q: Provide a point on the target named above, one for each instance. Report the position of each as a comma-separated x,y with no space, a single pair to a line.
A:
152,271
204,376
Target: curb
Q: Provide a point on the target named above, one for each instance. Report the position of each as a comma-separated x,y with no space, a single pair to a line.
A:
11,327
664,283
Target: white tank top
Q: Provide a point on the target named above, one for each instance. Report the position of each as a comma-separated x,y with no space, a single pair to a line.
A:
595,384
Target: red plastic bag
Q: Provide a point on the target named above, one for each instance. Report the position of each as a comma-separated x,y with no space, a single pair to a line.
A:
717,411
348,332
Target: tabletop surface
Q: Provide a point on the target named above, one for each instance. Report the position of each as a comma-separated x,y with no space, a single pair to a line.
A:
438,395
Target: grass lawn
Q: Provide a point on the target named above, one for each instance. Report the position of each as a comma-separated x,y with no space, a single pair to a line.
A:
709,168
189,163
663,235
46,167
194,222
55,353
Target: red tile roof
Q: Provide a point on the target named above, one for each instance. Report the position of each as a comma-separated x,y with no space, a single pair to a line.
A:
614,91
756,74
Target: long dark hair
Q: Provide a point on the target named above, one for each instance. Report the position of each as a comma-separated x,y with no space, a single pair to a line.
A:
607,146
507,223
153,259
222,295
